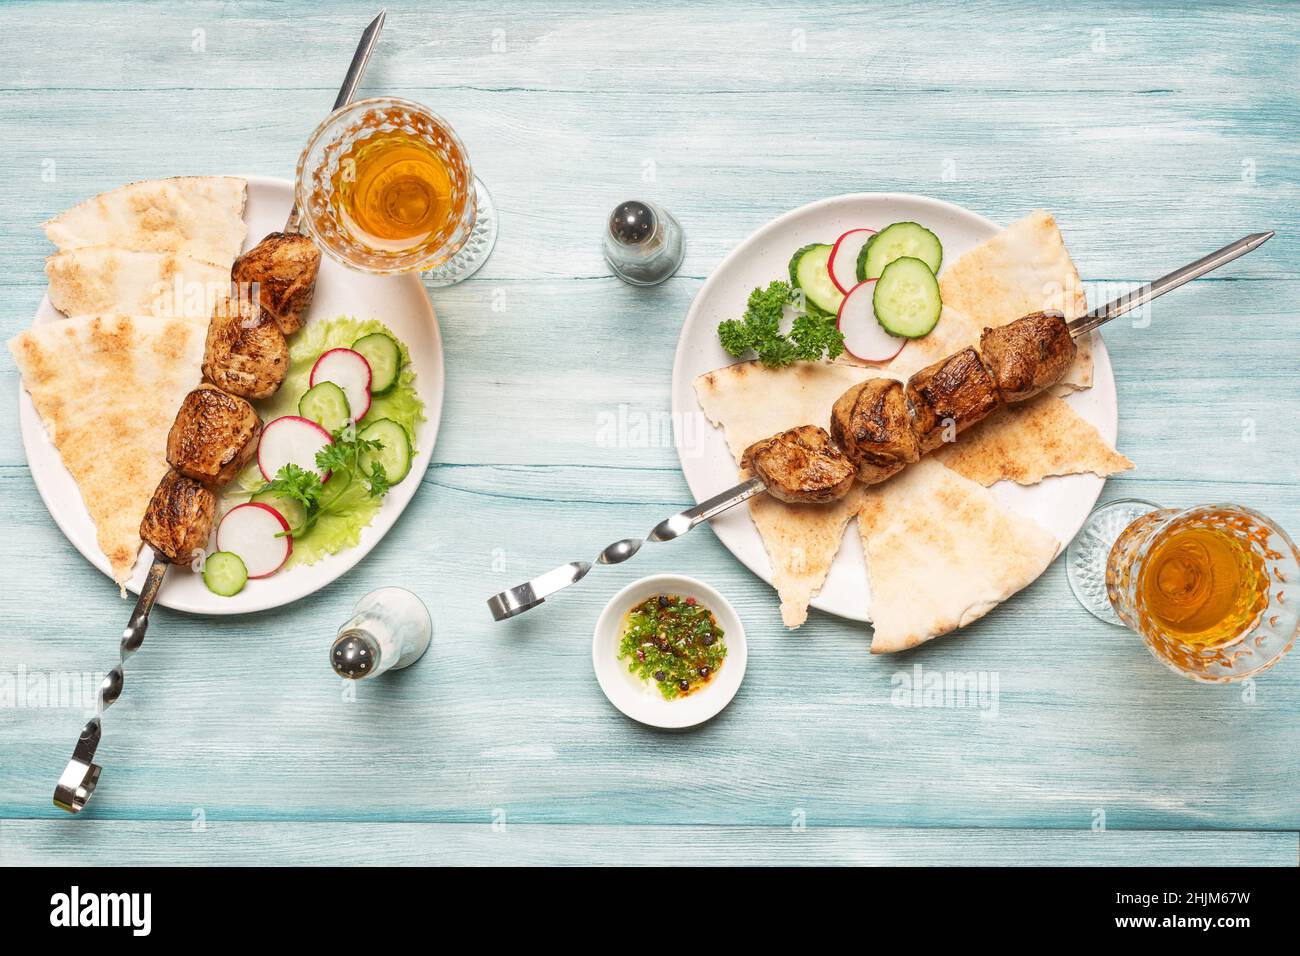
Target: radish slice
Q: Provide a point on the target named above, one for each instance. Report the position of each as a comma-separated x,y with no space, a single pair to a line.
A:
350,371
255,532
291,440
864,337
843,263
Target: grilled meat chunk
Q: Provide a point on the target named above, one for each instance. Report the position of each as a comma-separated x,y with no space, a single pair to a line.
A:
872,424
214,436
284,266
801,466
1029,354
950,396
179,518
245,354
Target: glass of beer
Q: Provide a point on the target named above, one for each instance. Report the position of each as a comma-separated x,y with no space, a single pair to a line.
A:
385,186
1205,587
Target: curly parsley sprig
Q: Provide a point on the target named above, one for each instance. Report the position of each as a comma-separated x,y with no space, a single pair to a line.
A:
811,337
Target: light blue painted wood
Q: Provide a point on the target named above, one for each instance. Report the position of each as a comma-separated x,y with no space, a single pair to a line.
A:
1154,133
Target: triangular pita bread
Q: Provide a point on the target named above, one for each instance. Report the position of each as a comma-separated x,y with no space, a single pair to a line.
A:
941,552
197,216
1027,442
96,280
107,389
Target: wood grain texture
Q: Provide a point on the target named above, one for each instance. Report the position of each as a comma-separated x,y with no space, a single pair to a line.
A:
202,842
1153,132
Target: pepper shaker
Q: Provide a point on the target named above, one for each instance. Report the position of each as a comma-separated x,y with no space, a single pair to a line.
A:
389,629
643,243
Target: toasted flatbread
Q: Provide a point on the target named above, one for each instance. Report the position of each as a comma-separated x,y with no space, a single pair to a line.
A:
96,280
1027,442
750,403
1024,268
196,216
941,552
107,389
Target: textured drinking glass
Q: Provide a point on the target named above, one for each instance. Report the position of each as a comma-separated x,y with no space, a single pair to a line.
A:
1271,619
453,251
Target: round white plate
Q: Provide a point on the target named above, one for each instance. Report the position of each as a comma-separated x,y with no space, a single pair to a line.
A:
640,699
400,302
1058,504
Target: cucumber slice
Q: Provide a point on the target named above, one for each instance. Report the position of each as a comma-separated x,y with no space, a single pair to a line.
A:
894,242
906,299
293,512
810,272
395,455
327,405
385,358
224,573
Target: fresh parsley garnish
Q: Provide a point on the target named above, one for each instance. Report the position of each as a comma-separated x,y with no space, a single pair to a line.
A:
810,338
342,460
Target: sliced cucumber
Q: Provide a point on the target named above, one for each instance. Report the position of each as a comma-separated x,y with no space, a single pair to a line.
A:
385,360
292,511
906,299
224,573
327,405
810,272
894,242
395,455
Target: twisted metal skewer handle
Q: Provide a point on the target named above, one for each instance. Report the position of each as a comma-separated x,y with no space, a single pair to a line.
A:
80,776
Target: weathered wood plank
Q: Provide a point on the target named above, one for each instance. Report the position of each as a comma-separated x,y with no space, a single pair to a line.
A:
200,842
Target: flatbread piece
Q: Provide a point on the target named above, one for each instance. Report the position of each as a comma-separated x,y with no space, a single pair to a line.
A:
941,552
107,388
95,280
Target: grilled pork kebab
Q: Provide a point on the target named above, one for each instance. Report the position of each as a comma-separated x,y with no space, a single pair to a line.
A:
882,425
246,356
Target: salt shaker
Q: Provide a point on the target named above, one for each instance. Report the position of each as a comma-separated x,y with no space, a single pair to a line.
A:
390,629
643,243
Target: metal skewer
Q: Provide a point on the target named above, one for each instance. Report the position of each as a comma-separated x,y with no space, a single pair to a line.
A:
528,595
80,776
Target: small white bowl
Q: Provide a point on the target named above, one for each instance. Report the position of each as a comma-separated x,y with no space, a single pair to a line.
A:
640,699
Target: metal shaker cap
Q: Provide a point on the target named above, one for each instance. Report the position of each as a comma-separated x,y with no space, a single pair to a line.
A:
632,222
354,656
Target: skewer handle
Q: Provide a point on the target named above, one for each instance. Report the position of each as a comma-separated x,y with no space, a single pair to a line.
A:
79,778
1127,303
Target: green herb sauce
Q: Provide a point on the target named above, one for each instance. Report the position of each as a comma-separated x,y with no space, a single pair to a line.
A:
675,642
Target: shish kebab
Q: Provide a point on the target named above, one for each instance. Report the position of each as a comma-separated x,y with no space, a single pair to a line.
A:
215,434
881,425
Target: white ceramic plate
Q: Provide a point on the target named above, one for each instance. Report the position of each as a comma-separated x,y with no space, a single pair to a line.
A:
400,302
1058,504
641,700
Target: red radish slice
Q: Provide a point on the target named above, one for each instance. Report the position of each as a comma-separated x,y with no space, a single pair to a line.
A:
864,337
350,371
255,532
291,440
843,263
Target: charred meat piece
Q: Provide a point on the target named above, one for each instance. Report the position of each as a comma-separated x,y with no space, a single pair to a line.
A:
179,518
245,354
284,266
214,436
950,396
801,466
1029,354
872,424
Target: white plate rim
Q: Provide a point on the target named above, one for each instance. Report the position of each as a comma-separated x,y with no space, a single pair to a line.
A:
45,465
1101,397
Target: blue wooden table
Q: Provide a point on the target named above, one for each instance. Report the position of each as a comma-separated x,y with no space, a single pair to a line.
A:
1155,133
